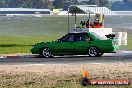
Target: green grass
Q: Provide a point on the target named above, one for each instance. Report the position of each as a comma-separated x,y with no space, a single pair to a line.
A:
129,41
9,44
18,34
21,44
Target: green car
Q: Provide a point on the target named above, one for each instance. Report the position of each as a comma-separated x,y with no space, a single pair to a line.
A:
76,44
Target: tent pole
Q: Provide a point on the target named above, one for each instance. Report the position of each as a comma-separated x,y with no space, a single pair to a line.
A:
89,20
68,19
103,21
75,18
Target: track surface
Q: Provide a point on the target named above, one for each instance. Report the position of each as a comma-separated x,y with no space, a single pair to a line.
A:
115,58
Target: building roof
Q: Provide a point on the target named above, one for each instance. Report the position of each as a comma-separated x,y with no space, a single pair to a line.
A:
22,9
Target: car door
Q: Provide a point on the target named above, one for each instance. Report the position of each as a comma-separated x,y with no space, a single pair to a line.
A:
65,45
81,43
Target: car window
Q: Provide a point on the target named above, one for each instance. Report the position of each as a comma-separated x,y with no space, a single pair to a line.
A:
77,38
71,38
81,37
84,37
68,38
65,37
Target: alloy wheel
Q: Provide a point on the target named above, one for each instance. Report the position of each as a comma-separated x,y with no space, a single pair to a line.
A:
46,52
93,52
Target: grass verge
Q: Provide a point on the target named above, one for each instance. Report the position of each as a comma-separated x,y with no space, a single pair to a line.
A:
10,44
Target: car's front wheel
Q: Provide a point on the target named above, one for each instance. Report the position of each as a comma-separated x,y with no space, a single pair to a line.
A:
46,52
100,54
93,52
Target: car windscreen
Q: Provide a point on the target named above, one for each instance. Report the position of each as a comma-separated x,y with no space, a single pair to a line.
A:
97,36
67,38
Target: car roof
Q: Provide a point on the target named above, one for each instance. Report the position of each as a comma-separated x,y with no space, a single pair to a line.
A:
78,33
78,30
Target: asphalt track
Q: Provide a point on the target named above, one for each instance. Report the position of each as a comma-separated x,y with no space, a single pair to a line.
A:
120,57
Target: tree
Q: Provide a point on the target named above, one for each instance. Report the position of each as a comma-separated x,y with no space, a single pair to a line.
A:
48,4
119,6
94,2
104,3
32,4
125,1
1,3
27,3
58,3
64,3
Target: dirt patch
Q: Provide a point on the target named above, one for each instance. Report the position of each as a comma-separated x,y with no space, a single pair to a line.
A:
59,75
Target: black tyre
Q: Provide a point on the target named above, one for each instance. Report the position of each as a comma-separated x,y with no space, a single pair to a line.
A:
94,52
84,81
100,54
45,52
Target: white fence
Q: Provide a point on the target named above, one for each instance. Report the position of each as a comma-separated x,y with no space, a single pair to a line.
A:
123,12
121,38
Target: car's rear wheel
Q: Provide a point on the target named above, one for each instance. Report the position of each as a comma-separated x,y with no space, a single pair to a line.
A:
46,52
93,52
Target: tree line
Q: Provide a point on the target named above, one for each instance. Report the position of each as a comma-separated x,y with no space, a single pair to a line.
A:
64,4
26,3
126,5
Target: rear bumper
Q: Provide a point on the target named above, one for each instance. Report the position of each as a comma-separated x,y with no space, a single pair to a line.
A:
109,49
116,47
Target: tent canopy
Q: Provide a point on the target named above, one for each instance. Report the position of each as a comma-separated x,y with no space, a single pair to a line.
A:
87,9
76,9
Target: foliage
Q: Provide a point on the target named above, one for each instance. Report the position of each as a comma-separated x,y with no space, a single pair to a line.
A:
104,3
119,6
64,3
27,3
